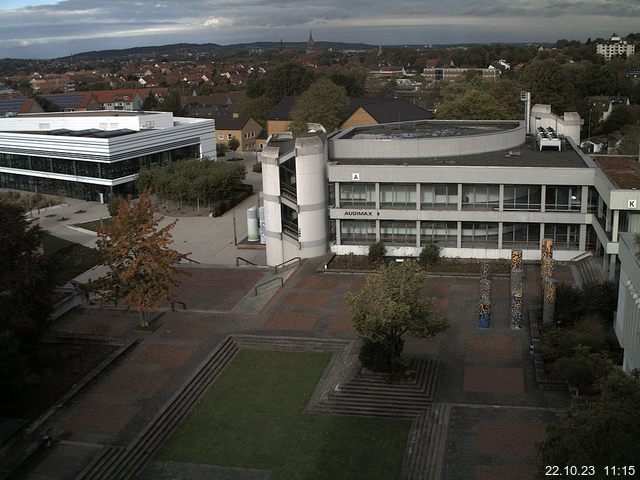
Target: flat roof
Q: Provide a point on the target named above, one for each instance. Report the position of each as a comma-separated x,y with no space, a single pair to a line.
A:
90,113
623,171
523,156
428,129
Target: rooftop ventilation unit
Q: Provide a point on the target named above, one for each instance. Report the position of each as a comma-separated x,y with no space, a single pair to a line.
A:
547,137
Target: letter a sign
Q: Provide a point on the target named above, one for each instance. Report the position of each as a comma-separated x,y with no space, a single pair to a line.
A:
632,203
355,177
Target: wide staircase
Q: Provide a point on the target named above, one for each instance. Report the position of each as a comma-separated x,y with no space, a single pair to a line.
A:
376,394
117,463
586,270
425,446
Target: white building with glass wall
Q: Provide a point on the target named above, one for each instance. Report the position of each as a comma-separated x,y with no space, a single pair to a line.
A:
93,155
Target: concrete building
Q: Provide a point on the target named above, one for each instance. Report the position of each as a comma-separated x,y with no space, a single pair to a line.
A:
92,155
615,47
627,321
477,188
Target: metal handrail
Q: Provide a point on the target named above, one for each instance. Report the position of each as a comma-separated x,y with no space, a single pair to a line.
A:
284,264
173,306
244,260
191,260
255,289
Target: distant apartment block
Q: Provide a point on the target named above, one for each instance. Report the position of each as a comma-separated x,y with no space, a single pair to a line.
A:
615,47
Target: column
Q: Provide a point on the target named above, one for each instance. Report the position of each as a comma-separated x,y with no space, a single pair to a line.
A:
418,242
584,205
549,301
500,227
517,290
582,245
336,192
459,198
377,195
543,197
615,223
418,193
612,267
501,198
338,235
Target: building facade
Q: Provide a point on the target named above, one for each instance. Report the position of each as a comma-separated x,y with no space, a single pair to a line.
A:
476,188
93,155
627,321
615,47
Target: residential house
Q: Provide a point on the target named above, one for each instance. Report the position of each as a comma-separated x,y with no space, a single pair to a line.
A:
74,102
361,111
603,105
243,127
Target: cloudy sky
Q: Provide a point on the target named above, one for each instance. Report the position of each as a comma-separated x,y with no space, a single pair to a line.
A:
50,28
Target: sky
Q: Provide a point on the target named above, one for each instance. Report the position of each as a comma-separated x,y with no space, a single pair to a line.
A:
49,28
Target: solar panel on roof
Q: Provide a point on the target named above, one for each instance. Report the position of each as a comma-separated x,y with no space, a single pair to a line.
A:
114,133
11,105
70,100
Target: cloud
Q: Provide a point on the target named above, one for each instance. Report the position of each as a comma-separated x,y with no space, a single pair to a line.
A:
129,23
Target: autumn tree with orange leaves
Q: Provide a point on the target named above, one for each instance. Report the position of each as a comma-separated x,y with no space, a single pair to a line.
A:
142,266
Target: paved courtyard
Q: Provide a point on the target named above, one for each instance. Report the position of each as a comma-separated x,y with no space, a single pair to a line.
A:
486,376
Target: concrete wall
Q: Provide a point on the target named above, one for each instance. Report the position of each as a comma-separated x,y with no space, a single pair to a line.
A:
567,125
429,147
627,321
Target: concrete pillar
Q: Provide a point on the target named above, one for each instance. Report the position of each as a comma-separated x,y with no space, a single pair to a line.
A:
615,224
484,315
582,242
459,199
500,227
584,200
337,194
377,195
543,197
501,198
459,239
272,207
418,193
338,234
612,267
377,230
418,233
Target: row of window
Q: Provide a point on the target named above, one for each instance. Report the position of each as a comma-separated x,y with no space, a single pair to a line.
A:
83,168
470,196
473,234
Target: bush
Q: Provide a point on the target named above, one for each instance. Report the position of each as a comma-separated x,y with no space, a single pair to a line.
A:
114,204
430,253
573,304
556,343
377,251
257,167
218,208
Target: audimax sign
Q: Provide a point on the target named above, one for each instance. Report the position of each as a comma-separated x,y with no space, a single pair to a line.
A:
361,213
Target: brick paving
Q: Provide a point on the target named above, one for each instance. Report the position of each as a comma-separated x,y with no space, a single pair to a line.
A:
497,416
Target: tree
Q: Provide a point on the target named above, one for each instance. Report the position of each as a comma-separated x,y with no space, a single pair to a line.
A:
151,102
258,108
603,433
391,304
25,297
142,271
234,144
473,105
549,84
324,102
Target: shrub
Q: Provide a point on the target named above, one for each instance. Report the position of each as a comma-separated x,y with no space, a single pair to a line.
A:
257,167
218,208
430,253
114,204
556,343
377,251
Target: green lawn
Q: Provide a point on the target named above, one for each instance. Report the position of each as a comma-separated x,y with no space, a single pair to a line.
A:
94,225
68,259
253,417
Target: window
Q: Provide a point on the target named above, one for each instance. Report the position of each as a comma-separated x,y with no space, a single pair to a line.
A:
522,197
445,234
439,196
398,232
592,201
229,136
563,198
479,235
565,237
521,235
480,197
357,232
361,195
398,195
